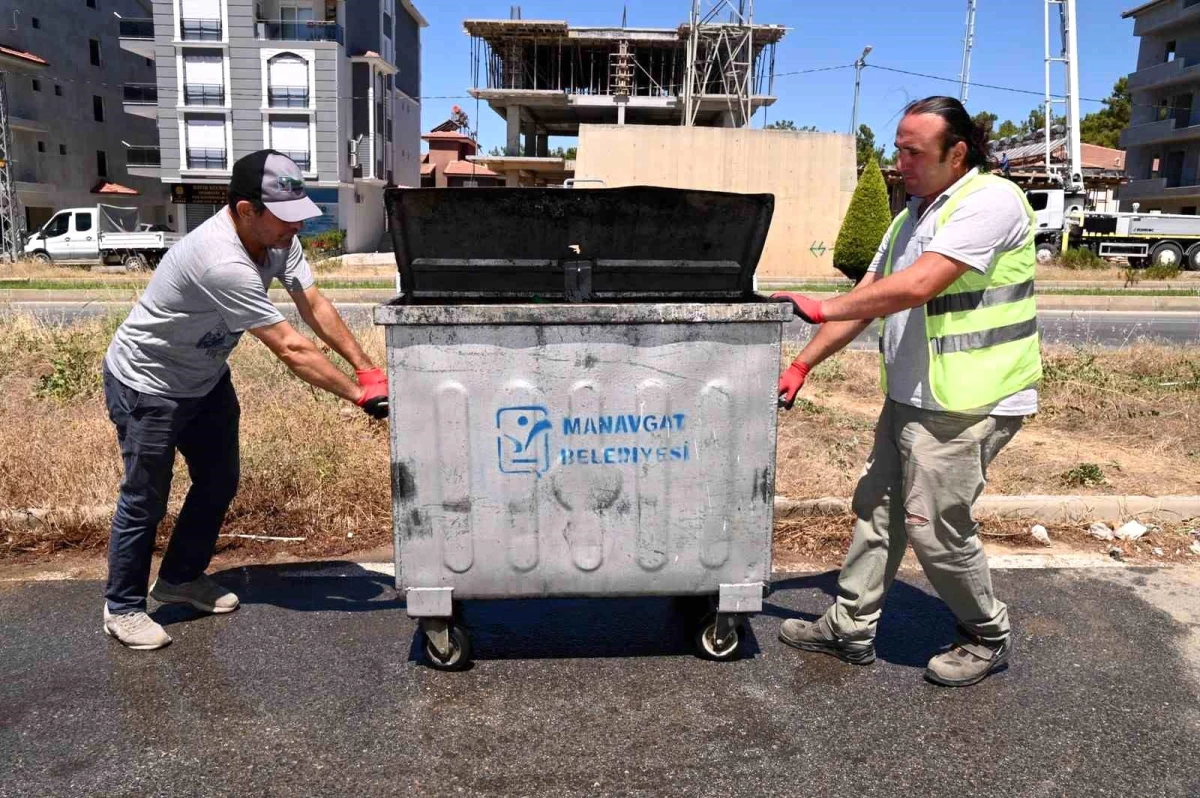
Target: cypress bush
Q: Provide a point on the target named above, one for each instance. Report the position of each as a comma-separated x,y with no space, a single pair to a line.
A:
866,221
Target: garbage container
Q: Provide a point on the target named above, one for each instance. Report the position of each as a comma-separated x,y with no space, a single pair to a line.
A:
583,393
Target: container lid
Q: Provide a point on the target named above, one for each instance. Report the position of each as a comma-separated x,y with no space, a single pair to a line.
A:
576,245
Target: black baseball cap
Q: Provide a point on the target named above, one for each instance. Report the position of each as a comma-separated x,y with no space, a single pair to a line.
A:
274,179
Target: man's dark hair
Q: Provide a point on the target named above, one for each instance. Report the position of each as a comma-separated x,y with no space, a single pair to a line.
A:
959,127
234,198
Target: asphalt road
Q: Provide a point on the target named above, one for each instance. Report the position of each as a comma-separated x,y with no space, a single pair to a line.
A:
1110,329
312,688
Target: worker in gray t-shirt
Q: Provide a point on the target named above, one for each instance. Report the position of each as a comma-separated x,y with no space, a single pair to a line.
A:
168,389
953,281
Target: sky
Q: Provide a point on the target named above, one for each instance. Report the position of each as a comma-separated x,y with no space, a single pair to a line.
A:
924,36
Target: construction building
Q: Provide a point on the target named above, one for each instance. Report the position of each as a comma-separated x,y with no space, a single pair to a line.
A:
1162,142
1103,167
64,120
547,78
334,84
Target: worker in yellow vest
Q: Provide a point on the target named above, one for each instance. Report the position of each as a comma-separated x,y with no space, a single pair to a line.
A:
952,282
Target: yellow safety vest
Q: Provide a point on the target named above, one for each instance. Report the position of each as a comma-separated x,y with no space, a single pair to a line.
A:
982,330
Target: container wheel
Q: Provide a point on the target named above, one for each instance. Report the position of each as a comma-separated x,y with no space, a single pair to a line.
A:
706,642
1166,254
460,651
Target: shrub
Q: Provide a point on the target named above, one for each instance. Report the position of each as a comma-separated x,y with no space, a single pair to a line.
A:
867,220
1081,259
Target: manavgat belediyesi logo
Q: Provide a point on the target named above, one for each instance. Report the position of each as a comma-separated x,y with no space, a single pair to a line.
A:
523,444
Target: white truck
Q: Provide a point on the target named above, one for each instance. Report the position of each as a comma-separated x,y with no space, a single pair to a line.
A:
105,234
1144,239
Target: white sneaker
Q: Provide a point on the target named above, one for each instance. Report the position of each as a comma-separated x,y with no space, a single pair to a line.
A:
202,593
136,630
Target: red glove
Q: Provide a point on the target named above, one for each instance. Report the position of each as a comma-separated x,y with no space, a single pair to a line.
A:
790,382
374,399
805,308
369,377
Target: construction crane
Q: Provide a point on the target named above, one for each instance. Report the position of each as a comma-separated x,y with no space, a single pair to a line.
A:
12,218
964,76
1071,177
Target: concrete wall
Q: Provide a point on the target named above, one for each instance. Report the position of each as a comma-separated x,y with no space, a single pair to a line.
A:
812,176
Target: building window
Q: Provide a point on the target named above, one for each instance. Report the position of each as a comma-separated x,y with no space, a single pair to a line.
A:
37,23
1188,210
91,3
389,130
62,149
97,108
149,62
200,20
101,163
387,24
41,146
1169,53
205,142
287,82
57,90
94,51
37,85
289,135
203,78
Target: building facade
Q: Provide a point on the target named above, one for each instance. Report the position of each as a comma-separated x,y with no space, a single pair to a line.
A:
335,84
67,118
1162,142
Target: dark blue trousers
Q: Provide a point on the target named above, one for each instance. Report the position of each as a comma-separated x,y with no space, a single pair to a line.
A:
150,429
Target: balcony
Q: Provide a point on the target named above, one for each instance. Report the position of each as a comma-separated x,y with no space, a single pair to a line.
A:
287,97
1167,17
136,36
1160,188
143,161
141,99
300,31
1181,70
201,158
203,94
200,30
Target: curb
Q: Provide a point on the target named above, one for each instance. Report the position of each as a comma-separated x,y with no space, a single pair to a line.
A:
1046,509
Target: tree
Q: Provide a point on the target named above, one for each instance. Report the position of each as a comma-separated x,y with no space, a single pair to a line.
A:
867,220
866,149
1007,128
985,120
787,124
1036,121
1104,127
567,154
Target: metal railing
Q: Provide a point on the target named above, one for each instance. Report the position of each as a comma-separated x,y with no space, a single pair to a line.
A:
287,96
302,159
200,30
135,28
203,94
278,30
143,156
200,158
141,93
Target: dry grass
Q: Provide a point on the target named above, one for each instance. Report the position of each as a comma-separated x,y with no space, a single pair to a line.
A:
330,269
1131,413
317,468
312,466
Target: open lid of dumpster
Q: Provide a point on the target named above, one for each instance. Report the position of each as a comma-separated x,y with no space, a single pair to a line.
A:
576,245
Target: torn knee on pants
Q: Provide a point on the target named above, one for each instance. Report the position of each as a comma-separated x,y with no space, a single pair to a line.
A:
913,519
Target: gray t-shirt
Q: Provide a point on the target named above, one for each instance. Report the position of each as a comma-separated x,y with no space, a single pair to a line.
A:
206,292
986,223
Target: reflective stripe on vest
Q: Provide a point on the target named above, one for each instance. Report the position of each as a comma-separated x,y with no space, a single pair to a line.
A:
982,329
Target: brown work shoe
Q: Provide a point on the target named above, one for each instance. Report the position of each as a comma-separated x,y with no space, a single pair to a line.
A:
817,636
968,662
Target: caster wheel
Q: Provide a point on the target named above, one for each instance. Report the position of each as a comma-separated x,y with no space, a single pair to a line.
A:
706,642
460,651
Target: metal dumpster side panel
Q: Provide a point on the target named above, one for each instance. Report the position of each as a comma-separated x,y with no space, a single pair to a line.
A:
517,471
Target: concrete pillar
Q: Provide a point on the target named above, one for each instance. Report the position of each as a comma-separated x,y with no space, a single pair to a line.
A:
512,179
620,113
543,145
530,133
512,144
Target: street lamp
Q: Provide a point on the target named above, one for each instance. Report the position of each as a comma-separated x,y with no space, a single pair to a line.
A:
858,68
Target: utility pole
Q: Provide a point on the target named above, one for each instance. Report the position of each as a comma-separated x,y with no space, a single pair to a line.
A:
858,68
964,84
1072,177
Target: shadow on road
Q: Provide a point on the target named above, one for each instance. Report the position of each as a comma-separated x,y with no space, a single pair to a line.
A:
915,625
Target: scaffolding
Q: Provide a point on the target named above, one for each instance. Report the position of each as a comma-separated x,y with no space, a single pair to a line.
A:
721,59
12,220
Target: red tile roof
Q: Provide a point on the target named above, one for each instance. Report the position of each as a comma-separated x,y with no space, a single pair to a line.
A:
426,169
467,169
24,56
113,188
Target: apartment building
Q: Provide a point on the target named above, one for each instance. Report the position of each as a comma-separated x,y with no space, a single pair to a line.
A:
1162,142
335,84
67,117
